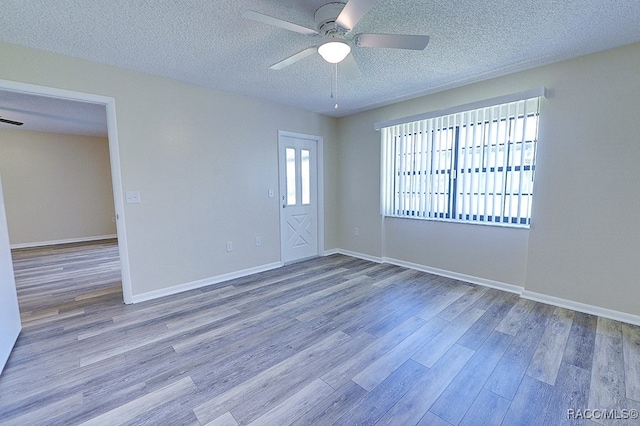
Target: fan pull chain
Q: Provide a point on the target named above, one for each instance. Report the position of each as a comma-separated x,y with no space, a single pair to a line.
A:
333,90
334,85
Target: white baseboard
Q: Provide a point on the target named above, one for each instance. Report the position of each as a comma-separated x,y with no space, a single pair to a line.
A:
330,252
441,272
65,241
358,255
538,297
582,307
202,283
457,276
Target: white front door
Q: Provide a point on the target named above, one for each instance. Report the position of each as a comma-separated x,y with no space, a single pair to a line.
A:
298,197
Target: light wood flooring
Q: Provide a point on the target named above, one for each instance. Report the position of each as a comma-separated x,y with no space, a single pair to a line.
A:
333,340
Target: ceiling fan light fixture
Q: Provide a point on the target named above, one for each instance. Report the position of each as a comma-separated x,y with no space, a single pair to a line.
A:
334,51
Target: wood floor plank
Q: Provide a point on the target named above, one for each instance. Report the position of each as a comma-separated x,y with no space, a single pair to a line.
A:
376,403
48,411
506,377
337,300
431,419
381,324
195,321
284,346
607,374
356,314
633,405
581,341
415,403
229,400
631,352
463,390
548,356
224,420
384,366
51,318
447,293
117,348
405,274
571,393
200,338
530,403
475,336
343,373
487,409
139,406
329,410
294,380
25,317
23,393
514,319
463,303
99,292
295,406
431,352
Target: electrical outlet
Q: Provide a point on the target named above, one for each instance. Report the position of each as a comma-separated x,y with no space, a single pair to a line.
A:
258,241
357,231
229,246
132,197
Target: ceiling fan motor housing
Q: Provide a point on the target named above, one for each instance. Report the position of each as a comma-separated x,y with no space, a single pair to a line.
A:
325,18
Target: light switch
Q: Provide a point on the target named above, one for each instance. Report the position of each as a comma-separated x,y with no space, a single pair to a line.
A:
132,197
271,193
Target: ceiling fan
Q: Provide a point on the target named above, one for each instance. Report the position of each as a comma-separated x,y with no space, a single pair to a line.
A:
15,123
334,23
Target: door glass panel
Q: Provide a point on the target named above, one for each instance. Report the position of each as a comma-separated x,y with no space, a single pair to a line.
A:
290,157
305,176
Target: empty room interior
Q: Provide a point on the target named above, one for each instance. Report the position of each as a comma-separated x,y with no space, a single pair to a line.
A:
303,212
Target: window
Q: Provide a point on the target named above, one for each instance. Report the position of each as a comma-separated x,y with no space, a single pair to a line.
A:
295,170
290,155
472,166
305,176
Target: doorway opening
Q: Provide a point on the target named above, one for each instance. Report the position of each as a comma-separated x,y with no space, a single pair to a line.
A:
42,92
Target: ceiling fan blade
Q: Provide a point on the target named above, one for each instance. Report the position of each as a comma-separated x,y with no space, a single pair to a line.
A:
350,67
15,123
353,11
270,20
396,41
293,59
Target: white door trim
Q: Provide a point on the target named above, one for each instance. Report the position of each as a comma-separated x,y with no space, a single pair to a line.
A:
114,155
10,324
320,154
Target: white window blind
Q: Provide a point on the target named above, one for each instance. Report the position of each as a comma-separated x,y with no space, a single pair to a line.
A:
473,166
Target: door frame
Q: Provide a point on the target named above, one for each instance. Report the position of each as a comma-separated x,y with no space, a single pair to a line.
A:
10,324
114,157
319,140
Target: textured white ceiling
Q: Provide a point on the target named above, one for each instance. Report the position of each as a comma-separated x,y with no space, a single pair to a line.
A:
209,43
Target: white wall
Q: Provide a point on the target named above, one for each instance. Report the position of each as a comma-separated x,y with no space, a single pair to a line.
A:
584,242
9,314
584,239
496,254
203,161
57,187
